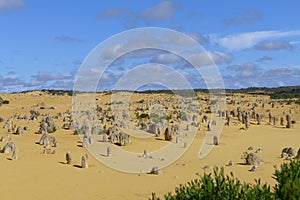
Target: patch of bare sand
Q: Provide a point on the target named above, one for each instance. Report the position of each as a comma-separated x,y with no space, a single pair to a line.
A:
39,176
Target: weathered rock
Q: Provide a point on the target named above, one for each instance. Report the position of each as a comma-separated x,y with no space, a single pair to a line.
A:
247,120
14,155
84,161
4,138
215,140
281,121
206,167
168,136
68,157
185,145
254,168
270,116
48,125
105,138
259,150
251,148
208,126
124,139
48,140
19,130
253,159
10,146
230,163
258,117
288,121
155,170
298,154
47,151
289,151
188,127
177,139
108,151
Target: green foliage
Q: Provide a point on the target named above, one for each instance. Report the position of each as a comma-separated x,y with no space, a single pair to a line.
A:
143,126
297,102
143,116
217,185
286,94
76,132
5,102
99,109
35,113
156,118
288,178
59,92
168,117
141,101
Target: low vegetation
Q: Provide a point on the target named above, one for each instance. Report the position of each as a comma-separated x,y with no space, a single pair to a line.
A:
3,101
217,185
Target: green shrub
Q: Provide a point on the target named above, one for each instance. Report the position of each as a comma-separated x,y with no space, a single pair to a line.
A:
35,113
5,102
288,178
220,186
143,116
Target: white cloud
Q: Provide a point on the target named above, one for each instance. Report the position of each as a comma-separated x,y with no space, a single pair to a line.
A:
12,4
211,57
284,71
198,37
264,58
251,75
165,58
273,45
114,12
66,38
245,70
248,40
187,40
163,11
248,17
141,40
48,76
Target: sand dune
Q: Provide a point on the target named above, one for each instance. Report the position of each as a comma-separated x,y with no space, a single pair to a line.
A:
47,176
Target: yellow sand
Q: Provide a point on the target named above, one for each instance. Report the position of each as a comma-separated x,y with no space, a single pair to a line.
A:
46,176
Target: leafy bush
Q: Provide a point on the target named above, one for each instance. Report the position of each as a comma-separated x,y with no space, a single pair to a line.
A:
5,102
288,178
34,113
144,115
220,186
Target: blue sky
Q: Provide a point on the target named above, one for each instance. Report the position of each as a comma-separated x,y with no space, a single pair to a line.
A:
43,43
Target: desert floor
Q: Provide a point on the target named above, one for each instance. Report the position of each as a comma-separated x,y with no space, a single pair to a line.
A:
46,176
